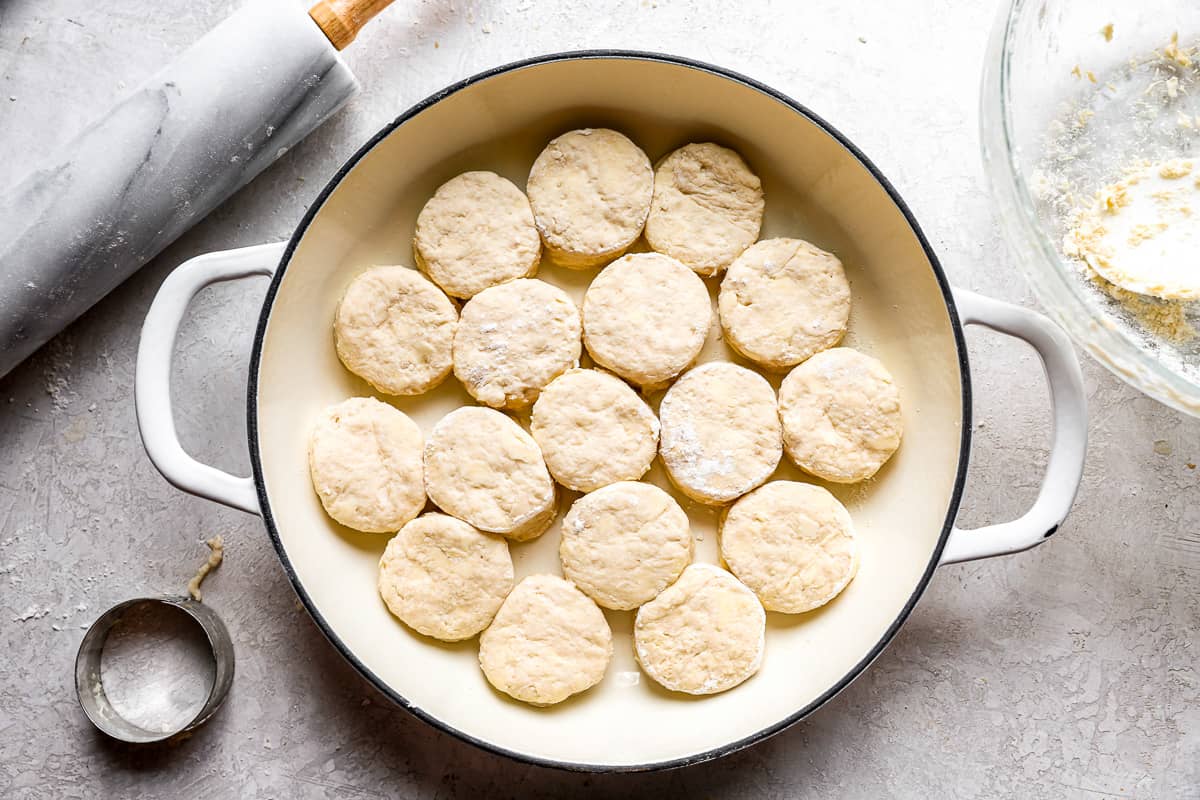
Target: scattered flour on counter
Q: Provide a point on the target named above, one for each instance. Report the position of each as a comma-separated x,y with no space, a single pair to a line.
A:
32,612
57,373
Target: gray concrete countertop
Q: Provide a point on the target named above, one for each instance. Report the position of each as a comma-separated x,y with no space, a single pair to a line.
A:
1067,671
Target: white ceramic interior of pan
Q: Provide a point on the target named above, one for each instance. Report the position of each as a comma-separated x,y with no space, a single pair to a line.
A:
815,189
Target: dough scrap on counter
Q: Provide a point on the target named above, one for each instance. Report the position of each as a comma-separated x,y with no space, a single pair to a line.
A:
216,555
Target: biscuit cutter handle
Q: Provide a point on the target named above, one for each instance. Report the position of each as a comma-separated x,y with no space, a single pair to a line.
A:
1064,470
152,381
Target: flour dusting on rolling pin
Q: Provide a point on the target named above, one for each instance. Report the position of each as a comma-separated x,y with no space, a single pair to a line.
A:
164,157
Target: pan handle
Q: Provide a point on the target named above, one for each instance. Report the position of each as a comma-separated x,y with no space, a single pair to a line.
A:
152,383
1064,471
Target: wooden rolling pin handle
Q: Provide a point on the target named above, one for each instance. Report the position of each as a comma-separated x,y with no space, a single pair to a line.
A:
341,20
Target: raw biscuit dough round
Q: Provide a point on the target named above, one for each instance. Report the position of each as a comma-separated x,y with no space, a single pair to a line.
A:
364,457
783,300
792,543
593,430
841,415
704,634
590,190
476,231
623,544
395,330
483,468
645,317
513,339
444,578
721,435
707,207
547,642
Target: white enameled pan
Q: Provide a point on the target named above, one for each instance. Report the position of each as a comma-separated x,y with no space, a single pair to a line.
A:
818,187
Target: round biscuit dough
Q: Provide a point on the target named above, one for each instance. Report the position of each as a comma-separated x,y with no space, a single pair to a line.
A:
593,430
783,300
483,468
704,634
395,330
536,525
590,190
443,578
364,457
721,435
707,207
623,544
645,317
841,415
513,339
476,231
547,642
792,543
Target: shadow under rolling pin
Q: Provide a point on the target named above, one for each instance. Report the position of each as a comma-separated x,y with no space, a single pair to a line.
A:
164,157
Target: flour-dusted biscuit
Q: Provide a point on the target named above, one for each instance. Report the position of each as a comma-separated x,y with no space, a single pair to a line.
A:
590,190
444,578
476,231
395,330
704,634
593,430
783,300
720,434
645,317
841,415
483,468
364,457
536,525
792,543
707,207
513,339
547,642
625,543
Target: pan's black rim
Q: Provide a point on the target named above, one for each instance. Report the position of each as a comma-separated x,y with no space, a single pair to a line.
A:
341,647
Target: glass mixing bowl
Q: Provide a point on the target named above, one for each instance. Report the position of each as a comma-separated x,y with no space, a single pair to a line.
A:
1074,93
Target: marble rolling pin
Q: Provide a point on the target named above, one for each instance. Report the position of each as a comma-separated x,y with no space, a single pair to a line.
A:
166,156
